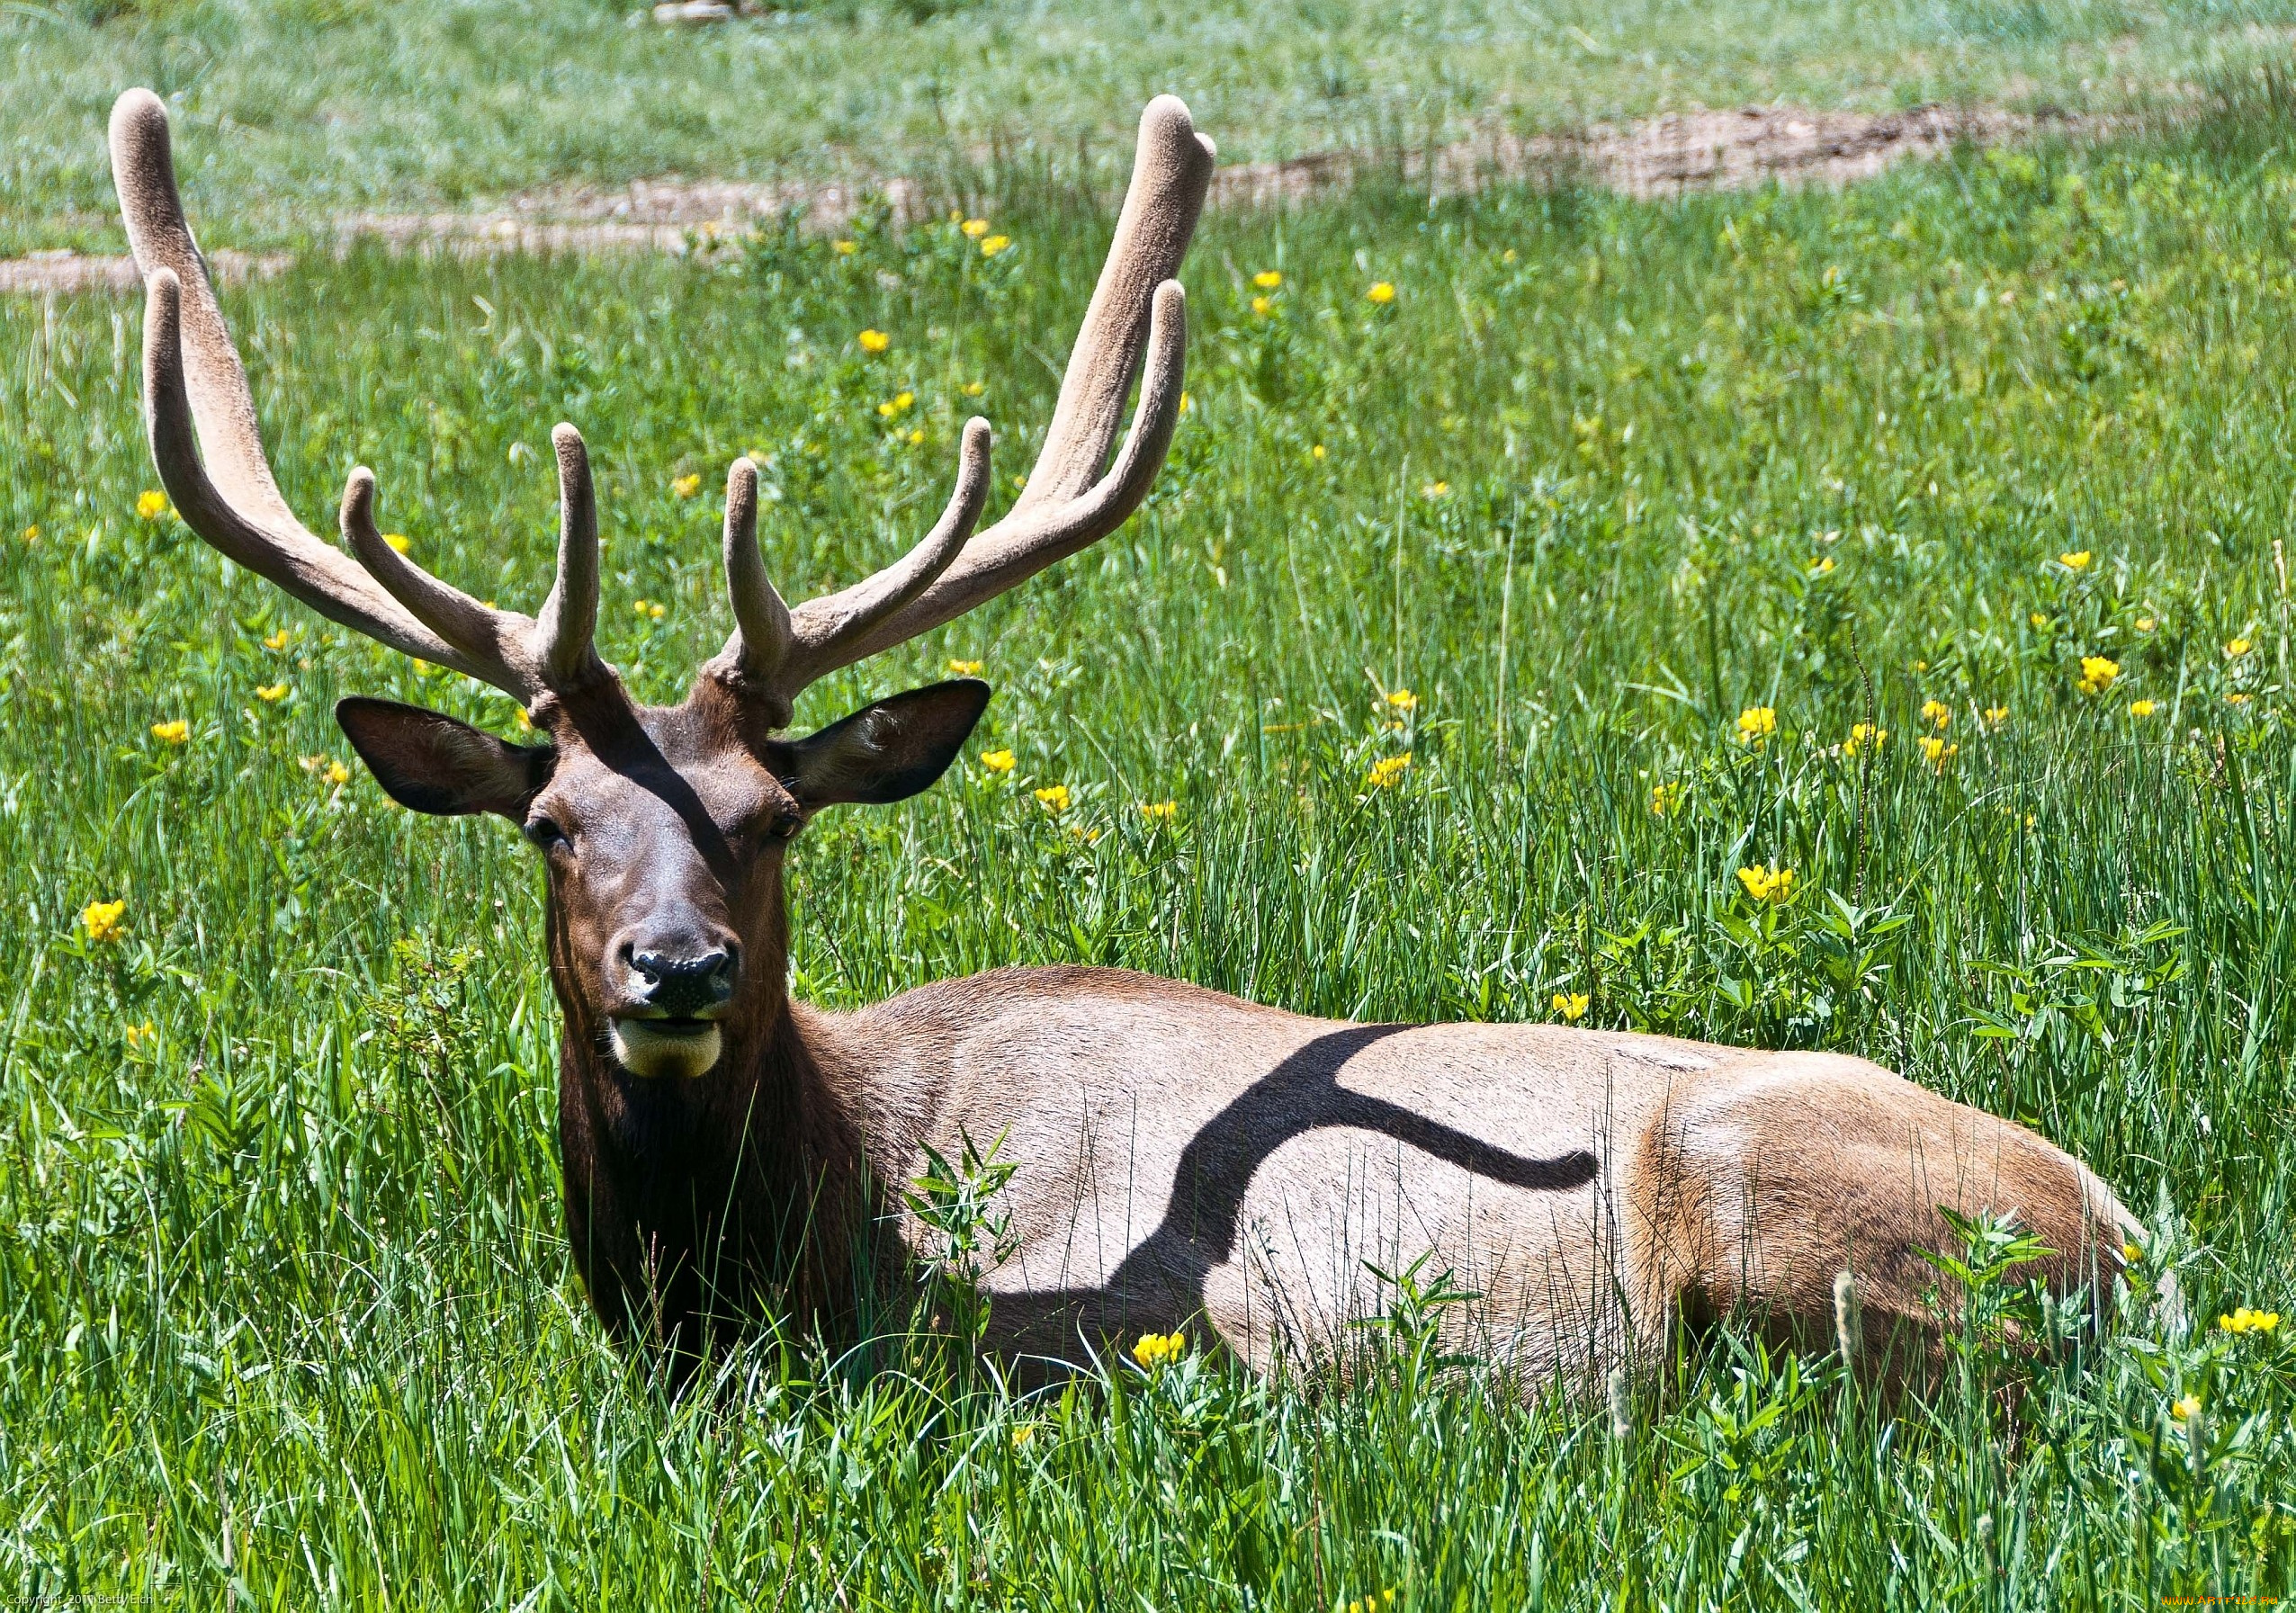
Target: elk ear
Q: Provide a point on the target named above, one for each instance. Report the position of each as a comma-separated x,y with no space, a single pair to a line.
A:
434,763
883,752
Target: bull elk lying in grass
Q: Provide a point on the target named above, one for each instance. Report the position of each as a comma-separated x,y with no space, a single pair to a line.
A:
1184,1158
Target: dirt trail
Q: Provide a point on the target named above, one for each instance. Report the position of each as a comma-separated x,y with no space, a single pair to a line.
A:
1659,157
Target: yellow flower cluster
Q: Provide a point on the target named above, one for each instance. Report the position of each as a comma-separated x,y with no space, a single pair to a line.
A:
173,732
2245,1320
333,772
1757,723
1402,700
873,342
1388,771
898,404
974,228
996,761
2077,560
1936,713
271,693
1665,798
845,248
104,920
1263,306
1860,735
1053,798
688,485
2097,674
1571,1005
1268,280
1373,1604
1160,811
1936,752
277,640
965,669
994,245
150,504
1160,1350
1382,291
1996,716
648,610
2142,708
1772,883
2186,1409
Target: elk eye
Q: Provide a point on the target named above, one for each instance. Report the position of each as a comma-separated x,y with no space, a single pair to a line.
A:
545,833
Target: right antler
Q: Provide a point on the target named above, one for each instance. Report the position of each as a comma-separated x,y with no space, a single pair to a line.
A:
1137,310
196,403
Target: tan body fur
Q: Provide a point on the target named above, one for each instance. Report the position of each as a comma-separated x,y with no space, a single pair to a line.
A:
1183,1155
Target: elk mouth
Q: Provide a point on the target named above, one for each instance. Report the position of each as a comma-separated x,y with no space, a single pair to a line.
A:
666,1048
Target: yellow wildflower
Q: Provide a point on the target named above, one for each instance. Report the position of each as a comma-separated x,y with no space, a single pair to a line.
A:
2097,674
898,404
1263,306
2236,648
1402,700
1772,883
916,436
1936,713
337,774
2246,1321
397,542
1936,752
277,640
150,504
271,693
2141,708
965,669
2130,1253
137,1035
2240,699
1571,1005
2077,560
997,761
844,248
1386,771
30,534
173,731
1268,280
1436,490
2145,624
1160,811
1022,1434
1996,716
1160,1350
648,610
1317,452
1665,798
2186,1409
994,245
1053,798
975,227
873,342
1757,723
1860,734
104,920
1821,566
2038,620
1382,291
687,486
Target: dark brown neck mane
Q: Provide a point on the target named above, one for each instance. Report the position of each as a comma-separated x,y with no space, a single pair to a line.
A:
697,1209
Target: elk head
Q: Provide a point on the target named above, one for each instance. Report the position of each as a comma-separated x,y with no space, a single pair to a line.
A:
664,827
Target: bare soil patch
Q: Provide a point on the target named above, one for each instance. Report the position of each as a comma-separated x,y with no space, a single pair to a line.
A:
1658,157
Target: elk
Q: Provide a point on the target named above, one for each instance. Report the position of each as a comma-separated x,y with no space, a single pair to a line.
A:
1185,1159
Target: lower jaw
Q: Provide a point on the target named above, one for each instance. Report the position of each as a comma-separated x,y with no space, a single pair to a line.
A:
654,1054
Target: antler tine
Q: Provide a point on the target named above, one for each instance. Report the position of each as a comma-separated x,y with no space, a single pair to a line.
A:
760,643
1137,310
564,645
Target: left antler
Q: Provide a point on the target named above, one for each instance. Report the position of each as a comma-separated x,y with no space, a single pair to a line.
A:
209,453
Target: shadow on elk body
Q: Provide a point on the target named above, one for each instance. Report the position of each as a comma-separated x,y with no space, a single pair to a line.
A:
1182,1155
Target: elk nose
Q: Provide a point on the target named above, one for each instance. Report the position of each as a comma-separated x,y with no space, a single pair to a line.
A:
683,987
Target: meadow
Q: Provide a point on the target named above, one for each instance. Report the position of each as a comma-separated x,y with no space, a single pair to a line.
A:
1497,644
303,110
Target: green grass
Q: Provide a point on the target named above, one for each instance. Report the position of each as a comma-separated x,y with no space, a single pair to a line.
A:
295,111
288,1316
